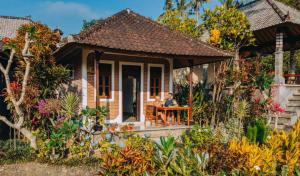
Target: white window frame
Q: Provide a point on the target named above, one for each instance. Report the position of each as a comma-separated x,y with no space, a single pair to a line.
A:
112,98
162,96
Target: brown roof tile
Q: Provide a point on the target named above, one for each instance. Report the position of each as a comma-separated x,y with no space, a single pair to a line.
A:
10,24
130,31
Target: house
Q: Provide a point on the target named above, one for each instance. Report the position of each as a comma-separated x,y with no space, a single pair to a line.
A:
8,28
126,60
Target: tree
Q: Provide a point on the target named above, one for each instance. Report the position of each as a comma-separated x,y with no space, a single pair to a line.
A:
29,50
195,6
88,23
229,28
231,3
181,7
168,5
174,20
17,101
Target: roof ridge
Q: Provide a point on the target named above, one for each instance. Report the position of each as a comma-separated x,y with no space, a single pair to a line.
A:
281,14
86,32
182,34
15,17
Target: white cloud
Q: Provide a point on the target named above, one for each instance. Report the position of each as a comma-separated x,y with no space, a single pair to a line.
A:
60,8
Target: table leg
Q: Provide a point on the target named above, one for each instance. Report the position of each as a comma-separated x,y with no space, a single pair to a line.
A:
166,117
156,118
173,118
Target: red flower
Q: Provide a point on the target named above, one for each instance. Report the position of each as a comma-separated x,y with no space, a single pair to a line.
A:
278,108
5,40
14,85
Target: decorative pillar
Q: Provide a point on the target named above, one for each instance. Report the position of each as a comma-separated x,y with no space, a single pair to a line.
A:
279,79
292,67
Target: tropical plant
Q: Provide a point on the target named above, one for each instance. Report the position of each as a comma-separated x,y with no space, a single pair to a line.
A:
164,155
134,157
69,105
259,160
257,131
60,137
286,148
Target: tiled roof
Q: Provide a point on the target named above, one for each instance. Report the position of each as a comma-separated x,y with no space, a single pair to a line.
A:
130,31
267,13
9,25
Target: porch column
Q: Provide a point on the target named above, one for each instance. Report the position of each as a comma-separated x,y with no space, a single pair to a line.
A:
190,91
292,67
279,79
205,75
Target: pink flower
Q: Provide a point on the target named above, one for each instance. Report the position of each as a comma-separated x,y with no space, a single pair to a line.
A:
278,108
42,107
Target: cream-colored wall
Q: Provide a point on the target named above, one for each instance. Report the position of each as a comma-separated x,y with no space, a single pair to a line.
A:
182,75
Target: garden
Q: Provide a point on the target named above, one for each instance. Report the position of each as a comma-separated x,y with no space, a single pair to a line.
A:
232,132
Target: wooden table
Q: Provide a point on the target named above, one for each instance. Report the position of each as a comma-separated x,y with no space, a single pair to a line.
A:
174,108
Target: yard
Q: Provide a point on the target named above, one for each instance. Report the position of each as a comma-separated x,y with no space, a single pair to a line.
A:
120,97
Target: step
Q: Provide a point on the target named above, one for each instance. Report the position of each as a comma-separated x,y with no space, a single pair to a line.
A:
279,126
153,132
292,108
294,99
293,103
156,133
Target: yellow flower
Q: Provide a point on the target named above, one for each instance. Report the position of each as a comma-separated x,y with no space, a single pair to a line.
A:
214,36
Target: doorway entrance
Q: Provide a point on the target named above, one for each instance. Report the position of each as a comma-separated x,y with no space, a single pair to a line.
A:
131,88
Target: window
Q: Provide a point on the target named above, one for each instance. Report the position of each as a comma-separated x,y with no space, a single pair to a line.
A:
155,81
105,86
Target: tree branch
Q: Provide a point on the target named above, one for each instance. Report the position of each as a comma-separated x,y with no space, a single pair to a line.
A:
2,69
7,122
24,83
27,69
10,60
26,46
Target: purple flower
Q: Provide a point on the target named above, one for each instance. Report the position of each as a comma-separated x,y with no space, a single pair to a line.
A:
41,106
60,118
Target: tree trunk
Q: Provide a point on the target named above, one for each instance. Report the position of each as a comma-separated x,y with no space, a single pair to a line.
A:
236,59
27,133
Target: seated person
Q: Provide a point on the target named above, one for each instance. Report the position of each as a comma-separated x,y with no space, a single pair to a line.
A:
157,101
170,101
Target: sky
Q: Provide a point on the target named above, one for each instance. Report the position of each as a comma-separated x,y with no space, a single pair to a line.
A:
68,15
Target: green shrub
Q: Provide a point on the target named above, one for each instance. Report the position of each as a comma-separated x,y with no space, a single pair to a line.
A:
198,135
22,153
257,131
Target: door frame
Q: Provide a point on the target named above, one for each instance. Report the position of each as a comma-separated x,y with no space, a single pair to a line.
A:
142,116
